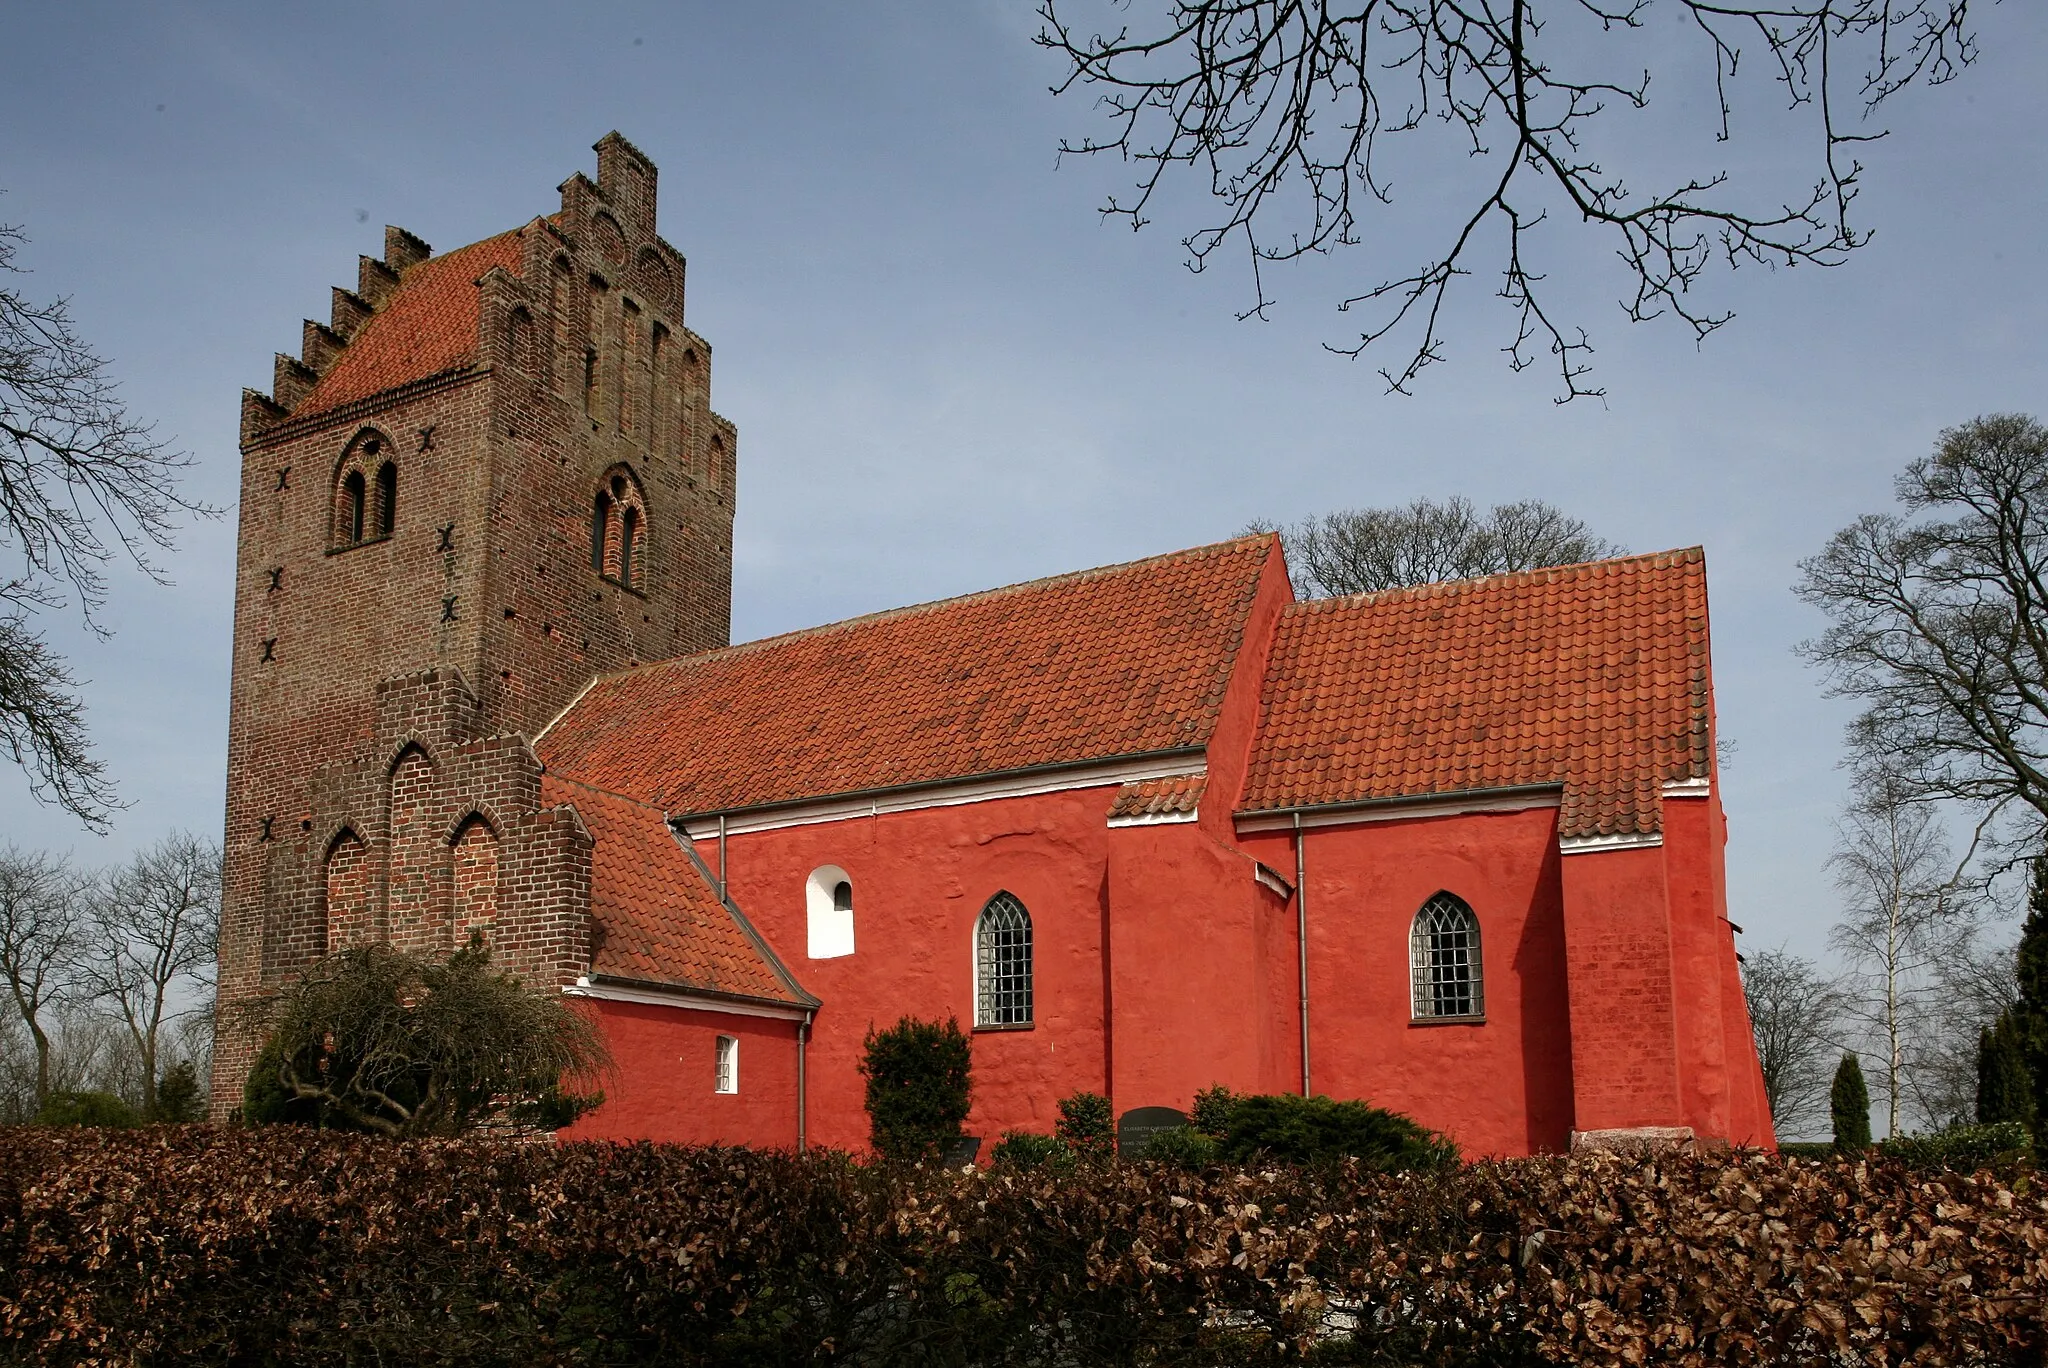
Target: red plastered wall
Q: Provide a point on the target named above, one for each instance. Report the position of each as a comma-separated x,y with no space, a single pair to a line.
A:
1503,1086
1192,970
666,1069
1624,1032
920,879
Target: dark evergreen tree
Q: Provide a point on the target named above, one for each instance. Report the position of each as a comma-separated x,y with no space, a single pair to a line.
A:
2030,1013
1849,1101
2005,1091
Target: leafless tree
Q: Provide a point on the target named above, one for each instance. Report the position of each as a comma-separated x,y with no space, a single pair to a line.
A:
1795,1011
1940,624
1291,109
151,939
1970,984
81,482
39,944
1365,550
1902,909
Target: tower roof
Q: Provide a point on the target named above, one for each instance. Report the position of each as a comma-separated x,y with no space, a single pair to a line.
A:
427,326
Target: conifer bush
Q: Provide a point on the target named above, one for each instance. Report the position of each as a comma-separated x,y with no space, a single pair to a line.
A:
2005,1090
919,1087
1849,1105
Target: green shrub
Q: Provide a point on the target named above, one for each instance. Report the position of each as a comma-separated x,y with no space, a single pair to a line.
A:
1211,1115
177,1094
1314,1130
87,1109
919,1087
1183,1147
1963,1148
1849,1105
1087,1125
1029,1149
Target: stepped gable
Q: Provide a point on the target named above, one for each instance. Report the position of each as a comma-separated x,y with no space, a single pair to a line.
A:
1591,676
426,326
657,917
1124,660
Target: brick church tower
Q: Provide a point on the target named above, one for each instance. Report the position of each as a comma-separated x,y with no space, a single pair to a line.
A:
492,475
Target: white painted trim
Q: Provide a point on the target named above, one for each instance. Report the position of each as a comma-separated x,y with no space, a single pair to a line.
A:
1402,809
956,793
1593,845
648,997
1689,788
1155,819
1271,879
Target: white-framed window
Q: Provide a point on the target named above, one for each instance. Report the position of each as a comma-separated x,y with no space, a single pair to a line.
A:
727,1079
1002,963
828,913
1443,952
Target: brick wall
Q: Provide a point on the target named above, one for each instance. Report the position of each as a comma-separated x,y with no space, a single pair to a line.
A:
385,686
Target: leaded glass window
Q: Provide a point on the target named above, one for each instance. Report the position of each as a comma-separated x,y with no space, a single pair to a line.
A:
1444,952
1002,958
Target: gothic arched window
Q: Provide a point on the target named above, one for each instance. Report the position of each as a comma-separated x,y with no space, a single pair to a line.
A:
365,504
387,498
1443,954
618,529
1002,963
353,497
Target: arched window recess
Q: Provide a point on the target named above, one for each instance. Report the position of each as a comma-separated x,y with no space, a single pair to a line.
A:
618,530
365,502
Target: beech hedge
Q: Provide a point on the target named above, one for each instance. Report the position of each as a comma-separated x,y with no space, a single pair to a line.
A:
278,1245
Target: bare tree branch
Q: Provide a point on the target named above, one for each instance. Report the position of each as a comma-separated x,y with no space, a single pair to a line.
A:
1284,105
1940,625
39,944
81,483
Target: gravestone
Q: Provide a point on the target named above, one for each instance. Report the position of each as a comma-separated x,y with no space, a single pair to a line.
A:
1135,1129
960,1151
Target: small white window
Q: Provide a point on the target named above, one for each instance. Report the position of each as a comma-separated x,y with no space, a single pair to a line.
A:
828,907
728,1080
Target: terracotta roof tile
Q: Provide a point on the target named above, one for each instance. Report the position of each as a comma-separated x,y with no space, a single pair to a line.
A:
1158,797
659,919
427,326
1591,676
1123,660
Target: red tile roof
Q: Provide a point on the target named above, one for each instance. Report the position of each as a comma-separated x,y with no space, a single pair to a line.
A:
1591,676
1158,797
659,919
1117,661
427,326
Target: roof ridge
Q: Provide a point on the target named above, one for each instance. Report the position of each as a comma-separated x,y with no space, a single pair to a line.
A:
912,609
1683,555
603,792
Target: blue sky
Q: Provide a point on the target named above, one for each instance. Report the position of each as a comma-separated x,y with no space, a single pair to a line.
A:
947,371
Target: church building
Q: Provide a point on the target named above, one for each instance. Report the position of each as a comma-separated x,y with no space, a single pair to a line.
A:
1455,850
